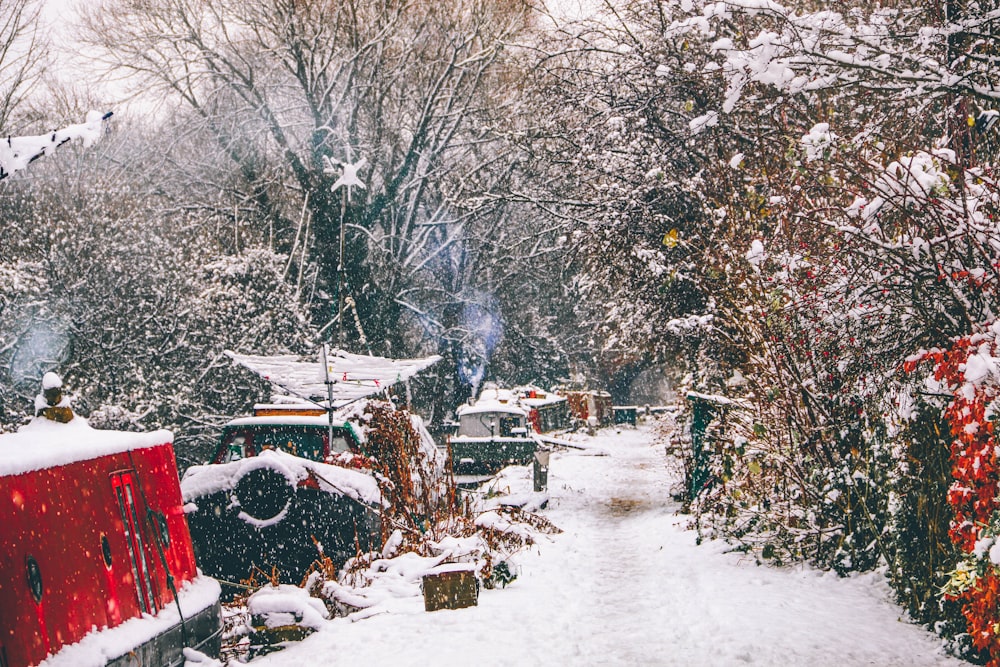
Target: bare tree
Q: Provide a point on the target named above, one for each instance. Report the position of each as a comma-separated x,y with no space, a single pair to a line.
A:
23,51
293,90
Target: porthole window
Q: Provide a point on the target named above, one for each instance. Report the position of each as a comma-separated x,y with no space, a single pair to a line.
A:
34,574
106,550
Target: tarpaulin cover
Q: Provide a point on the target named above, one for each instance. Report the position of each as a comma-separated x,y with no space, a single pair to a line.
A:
352,376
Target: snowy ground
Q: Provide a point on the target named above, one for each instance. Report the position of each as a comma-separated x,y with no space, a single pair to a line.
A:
625,584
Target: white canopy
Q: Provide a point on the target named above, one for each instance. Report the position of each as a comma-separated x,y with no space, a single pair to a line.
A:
349,376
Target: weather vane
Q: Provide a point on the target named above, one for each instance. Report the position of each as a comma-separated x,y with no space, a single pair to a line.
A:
349,175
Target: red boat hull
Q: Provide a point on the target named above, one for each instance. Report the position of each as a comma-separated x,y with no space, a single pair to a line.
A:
88,545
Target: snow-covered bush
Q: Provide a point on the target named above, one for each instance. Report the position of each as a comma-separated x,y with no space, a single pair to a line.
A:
408,465
967,371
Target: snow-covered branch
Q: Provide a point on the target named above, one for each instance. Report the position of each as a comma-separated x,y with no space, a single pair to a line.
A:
16,153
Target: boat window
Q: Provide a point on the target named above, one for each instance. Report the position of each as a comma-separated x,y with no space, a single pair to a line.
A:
508,425
339,443
122,483
34,574
106,550
304,442
130,499
236,449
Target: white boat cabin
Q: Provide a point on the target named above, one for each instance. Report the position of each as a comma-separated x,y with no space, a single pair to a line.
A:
495,415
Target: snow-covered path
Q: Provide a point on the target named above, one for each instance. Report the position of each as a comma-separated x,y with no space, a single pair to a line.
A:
625,584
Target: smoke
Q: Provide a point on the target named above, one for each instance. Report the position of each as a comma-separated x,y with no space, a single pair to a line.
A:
42,347
483,329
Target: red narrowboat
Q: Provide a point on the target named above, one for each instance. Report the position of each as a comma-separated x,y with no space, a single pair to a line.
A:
96,562
590,407
547,411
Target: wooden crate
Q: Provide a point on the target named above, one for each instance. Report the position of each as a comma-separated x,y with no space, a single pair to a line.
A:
451,588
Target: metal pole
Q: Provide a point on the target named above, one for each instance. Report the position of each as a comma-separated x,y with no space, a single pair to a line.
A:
348,178
329,397
340,274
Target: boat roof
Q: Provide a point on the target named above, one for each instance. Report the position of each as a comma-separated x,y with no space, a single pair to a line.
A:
199,481
490,406
43,443
536,397
491,438
493,399
548,399
284,420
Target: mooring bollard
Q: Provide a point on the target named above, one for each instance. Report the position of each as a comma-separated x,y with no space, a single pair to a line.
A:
541,470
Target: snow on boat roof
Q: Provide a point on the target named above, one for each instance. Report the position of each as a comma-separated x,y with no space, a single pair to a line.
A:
491,438
550,399
493,399
352,376
43,443
490,406
286,420
536,397
199,481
